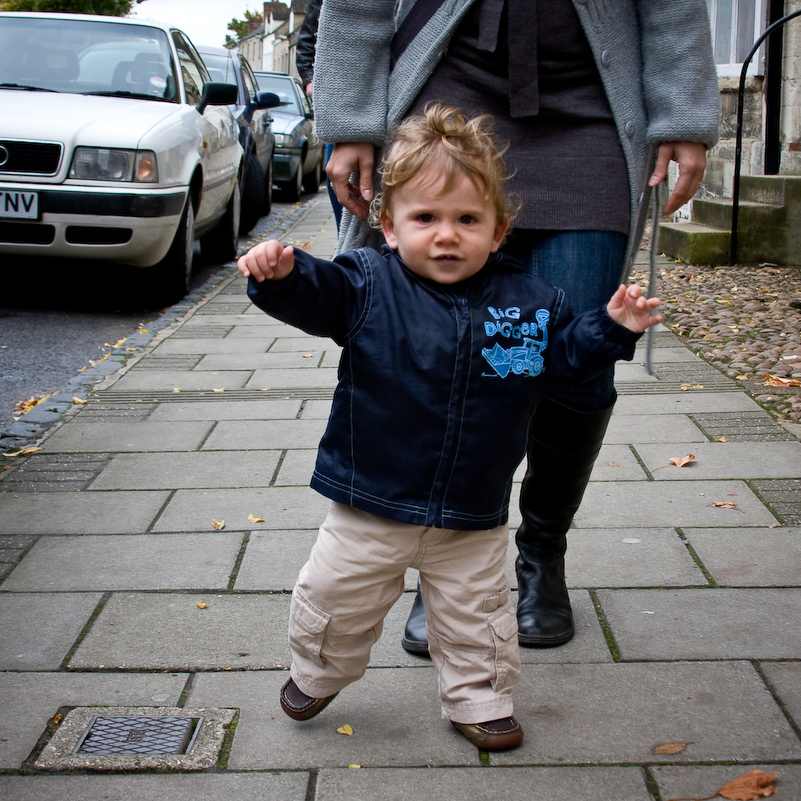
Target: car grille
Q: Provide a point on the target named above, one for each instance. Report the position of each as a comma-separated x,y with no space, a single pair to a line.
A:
33,158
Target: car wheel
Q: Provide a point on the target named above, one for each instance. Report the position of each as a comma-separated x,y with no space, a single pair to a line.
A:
252,195
292,189
173,273
268,189
311,182
222,242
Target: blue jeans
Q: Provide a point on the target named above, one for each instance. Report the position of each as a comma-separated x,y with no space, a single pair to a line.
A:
588,265
335,204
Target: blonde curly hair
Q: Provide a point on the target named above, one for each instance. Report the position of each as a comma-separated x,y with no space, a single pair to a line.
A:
446,144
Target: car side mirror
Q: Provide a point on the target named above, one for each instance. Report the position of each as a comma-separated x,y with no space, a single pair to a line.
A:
217,94
268,100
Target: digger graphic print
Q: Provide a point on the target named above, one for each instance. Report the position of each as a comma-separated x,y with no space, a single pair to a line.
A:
526,342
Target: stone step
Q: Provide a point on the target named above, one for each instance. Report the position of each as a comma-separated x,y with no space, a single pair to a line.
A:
694,243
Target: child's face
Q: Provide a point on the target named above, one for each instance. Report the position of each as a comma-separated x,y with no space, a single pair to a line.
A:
444,237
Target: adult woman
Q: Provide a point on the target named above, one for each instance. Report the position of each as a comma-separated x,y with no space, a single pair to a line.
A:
595,98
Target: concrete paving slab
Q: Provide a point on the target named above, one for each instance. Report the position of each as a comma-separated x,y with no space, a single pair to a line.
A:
226,410
685,403
704,624
79,512
749,557
30,700
144,471
165,631
724,460
145,381
177,787
658,504
287,344
40,628
117,437
127,562
704,781
247,320
638,428
281,508
479,784
638,557
293,379
273,560
626,372
203,346
394,714
601,714
784,679
235,435
296,468
665,355
316,409
614,463
308,359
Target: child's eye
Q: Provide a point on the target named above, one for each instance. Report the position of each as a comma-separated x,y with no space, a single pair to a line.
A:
425,218
467,219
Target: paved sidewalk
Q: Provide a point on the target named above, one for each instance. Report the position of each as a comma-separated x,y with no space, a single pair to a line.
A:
119,591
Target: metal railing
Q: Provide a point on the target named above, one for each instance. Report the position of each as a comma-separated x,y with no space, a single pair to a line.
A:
738,150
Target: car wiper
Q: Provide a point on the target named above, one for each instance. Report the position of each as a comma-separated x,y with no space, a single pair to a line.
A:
25,88
121,93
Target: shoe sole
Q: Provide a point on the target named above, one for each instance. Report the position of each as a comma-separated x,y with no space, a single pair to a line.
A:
490,742
545,642
415,647
306,713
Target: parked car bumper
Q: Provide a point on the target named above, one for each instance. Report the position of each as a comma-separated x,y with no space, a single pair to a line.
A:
285,164
125,226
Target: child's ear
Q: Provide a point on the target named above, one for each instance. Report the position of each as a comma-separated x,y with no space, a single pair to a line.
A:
389,231
501,229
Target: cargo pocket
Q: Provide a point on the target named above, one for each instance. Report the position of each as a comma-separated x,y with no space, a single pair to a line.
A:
506,653
307,627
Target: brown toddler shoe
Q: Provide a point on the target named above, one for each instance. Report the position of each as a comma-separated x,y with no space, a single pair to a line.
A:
492,735
300,706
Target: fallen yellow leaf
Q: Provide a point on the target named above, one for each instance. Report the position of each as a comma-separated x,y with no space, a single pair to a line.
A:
78,401
346,729
22,452
176,389
720,439
670,748
222,389
218,525
354,767
201,605
57,719
681,461
253,519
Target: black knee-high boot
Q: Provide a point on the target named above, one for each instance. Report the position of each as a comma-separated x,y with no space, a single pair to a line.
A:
415,638
562,449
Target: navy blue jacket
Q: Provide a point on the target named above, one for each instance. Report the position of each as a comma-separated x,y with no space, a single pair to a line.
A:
437,383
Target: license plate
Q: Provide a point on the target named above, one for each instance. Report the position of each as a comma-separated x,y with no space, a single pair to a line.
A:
19,205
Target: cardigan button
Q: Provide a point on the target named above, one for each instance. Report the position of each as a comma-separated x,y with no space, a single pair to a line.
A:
630,129
606,59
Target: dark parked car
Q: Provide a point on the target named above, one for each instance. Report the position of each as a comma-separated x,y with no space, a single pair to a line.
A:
299,154
252,113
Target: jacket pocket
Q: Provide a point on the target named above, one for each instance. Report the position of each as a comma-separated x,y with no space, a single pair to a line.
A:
308,627
506,653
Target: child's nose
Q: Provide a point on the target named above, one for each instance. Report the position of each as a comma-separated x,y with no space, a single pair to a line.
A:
446,232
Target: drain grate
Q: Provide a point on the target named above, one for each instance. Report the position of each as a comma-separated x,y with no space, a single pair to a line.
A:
125,736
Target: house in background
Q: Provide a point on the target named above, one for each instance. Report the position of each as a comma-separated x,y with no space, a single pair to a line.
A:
271,44
769,218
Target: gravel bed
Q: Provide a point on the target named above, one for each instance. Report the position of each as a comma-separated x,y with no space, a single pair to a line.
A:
744,320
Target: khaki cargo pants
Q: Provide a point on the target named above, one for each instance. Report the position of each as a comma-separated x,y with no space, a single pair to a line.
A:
355,574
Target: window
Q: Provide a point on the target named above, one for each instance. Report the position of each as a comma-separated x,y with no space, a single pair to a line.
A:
736,25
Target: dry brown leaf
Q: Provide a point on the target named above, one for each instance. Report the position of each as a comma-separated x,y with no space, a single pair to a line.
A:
670,748
612,464
720,439
307,355
723,504
749,787
776,381
253,519
305,246
218,525
57,719
345,729
201,605
680,461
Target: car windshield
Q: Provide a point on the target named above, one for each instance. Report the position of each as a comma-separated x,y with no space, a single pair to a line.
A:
285,90
220,67
86,57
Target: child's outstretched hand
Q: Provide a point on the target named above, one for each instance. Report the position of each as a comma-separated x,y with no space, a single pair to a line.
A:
629,308
268,261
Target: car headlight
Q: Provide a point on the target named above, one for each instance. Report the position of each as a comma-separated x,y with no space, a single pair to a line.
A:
283,140
106,164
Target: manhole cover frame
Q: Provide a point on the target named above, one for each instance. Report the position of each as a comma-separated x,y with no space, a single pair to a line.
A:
203,752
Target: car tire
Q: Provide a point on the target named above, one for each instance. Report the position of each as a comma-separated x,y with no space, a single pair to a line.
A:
312,181
291,189
222,242
252,195
173,273
267,206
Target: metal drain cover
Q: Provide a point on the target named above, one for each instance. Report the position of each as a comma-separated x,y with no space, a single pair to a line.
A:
126,735
137,738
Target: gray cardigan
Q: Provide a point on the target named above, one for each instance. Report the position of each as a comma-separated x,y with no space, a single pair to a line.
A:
654,58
